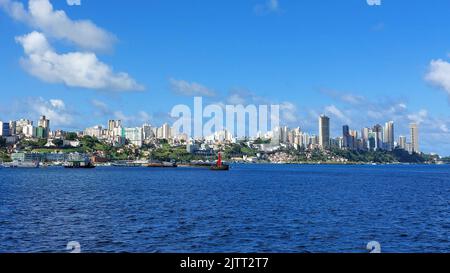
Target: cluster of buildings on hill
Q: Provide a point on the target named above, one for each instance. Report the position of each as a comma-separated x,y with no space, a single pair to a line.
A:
368,139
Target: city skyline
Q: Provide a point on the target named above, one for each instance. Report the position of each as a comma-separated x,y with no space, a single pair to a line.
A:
358,70
117,133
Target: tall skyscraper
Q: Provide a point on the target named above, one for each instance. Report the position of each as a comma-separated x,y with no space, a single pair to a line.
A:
44,123
4,129
134,135
147,131
12,128
166,131
389,135
346,136
324,131
284,134
414,131
402,142
378,131
114,124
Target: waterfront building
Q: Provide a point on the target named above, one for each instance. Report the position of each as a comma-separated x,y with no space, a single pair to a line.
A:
324,132
389,136
27,157
414,132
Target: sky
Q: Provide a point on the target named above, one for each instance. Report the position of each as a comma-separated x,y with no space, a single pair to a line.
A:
82,62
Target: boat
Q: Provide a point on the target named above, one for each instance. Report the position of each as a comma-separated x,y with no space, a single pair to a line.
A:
22,164
162,165
219,166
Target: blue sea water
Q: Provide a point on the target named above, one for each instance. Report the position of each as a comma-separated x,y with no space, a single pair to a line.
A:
252,208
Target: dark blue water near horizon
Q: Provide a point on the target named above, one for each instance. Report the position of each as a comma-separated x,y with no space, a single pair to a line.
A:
252,208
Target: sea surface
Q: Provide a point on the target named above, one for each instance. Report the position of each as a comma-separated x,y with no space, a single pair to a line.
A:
251,208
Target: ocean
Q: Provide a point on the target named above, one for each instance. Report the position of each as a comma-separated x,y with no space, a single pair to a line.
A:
251,208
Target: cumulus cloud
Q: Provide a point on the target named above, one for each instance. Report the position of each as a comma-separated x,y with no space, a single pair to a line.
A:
56,24
74,2
439,74
185,88
54,109
75,69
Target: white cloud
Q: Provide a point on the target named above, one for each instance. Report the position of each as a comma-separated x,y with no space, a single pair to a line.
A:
288,112
56,24
54,109
419,117
337,113
75,69
373,2
236,99
58,104
269,6
74,2
439,74
190,88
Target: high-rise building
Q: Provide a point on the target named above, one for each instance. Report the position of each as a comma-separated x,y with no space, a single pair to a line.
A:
147,131
284,134
414,132
372,141
365,133
346,136
378,131
28,130
96,131
114,124
20,124
12,128
4,129
134,135
166,131
324,132
389,135
402,143
44,123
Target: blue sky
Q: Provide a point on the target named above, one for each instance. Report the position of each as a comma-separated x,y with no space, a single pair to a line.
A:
360,64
